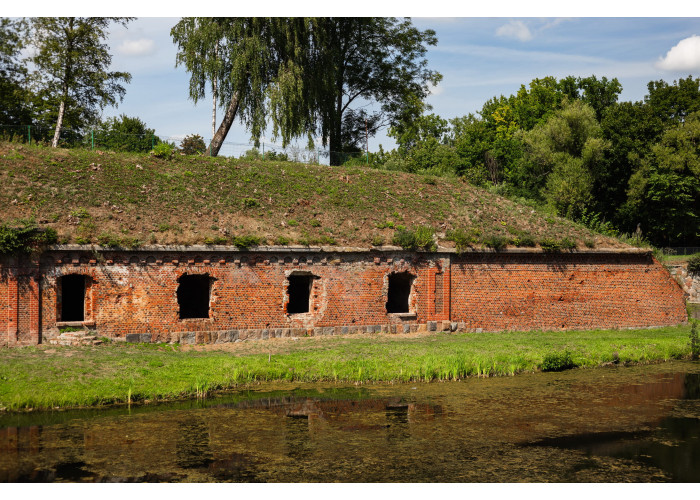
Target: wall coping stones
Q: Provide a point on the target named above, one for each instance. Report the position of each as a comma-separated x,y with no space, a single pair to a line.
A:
337,249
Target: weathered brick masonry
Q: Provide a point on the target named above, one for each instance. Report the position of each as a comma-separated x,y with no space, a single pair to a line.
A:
217,294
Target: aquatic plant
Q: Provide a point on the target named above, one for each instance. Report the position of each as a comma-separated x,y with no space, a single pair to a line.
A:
558,361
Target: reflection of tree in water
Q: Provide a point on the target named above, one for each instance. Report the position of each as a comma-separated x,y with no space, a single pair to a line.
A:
193,449
235,467
691,386
397,420
297,437
672,447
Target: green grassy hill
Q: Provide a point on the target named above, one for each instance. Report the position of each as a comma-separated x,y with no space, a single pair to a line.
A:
133,199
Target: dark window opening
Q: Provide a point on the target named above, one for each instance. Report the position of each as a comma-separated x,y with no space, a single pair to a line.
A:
193,295
299,293
73,298
399,291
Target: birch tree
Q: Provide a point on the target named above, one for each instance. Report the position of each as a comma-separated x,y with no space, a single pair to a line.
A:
73,64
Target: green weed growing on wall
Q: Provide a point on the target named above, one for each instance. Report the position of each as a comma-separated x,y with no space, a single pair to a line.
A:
24,236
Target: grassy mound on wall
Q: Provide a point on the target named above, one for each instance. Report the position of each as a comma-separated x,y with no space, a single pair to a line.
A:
122,199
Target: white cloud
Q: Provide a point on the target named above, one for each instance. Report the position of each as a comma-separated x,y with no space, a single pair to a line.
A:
140,47
435,89
515,29
683,57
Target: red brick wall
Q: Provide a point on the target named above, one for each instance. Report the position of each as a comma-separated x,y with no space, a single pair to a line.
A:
135,292
19,302
510,291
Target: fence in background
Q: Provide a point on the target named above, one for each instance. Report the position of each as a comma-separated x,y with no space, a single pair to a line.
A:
681,250
98,139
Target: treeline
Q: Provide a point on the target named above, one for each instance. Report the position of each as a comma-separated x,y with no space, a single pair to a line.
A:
70,82
615,166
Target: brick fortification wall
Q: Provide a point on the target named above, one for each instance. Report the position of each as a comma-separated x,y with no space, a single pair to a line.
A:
540,291
133,295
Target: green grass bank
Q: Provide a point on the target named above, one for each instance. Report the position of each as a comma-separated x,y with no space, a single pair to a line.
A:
46,377
130,199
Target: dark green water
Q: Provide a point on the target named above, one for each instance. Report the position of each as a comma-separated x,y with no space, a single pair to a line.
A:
639,424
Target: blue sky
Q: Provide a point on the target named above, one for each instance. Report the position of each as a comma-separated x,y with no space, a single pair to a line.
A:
479,57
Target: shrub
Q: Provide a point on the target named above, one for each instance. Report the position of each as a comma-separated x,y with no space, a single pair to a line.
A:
247,241
694,265
162,150
694,342
496,241
421,237
274,156
568,244
558,361
461,238
525,240
251,154
24,236
282,241
193,145
550,245
377,240
250,203
425,237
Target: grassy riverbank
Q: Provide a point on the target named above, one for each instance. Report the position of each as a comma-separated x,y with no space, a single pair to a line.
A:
59,377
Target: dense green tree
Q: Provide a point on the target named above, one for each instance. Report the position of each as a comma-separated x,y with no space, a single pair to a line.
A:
563,156
631,129
193,145
73,62
14,96
473,142
125,133
366,60
664,193
525,109
408,134
599,94
672,103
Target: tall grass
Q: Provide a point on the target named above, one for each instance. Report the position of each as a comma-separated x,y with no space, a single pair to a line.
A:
93,376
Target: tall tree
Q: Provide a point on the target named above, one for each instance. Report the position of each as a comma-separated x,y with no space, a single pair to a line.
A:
307,75
672,103
237,57
14,95
599,94
358,61
632,129
664,194
563,156
73,63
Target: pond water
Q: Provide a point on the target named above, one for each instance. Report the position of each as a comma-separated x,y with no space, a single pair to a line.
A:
638,424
